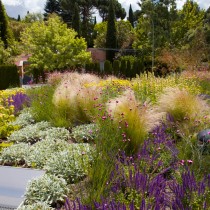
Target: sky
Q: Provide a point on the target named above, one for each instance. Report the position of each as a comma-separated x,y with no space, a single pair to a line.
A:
20,7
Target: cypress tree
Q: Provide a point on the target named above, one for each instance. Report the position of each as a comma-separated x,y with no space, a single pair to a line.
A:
18,19
111,36
4,31
76,20
130,17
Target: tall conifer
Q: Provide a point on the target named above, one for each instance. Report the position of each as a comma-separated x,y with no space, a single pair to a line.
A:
76,24
111,36
130,17
4,31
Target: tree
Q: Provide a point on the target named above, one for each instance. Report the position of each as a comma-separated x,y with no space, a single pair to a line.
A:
190,17
5,56
86,10
111,36
67,10
125,34
103,8
154,28
130,17
5,33
18,19
52,6
54,46
76,20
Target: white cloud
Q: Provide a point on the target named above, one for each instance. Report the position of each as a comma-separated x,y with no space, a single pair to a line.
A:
20,7
12,2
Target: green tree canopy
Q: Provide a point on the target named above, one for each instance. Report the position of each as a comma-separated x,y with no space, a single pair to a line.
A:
5,32
190,17
125,34
52,6
103,8
54,46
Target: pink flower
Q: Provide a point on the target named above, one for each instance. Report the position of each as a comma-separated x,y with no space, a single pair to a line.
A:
182,162
104,118
189,161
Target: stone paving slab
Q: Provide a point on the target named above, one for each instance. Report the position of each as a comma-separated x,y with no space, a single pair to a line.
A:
13,183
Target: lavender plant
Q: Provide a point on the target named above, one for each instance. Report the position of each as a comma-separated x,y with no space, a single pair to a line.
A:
140,181
19,101
189,193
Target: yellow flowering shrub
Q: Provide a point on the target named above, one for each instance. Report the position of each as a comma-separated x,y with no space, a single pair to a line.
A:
111,83
151,87
4,94
111,87
7,113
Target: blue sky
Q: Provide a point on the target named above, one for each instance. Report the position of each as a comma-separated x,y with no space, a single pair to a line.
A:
15,7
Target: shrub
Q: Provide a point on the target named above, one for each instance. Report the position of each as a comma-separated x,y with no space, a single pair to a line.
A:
15,154
123,67
25,118
41,151
48,188
84,133
30,133
72,164
107,67
116,67
5,145
6,117
135,119
9,76
128,69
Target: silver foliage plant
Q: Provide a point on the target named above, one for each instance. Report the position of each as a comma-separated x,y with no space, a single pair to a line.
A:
30,133
14,154
72,164
41,151
84,133
47,188
24,119
39,131
36,206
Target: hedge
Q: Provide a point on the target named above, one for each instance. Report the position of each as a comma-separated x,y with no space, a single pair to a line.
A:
9,76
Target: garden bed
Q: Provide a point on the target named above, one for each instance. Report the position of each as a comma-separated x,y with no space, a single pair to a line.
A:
110,143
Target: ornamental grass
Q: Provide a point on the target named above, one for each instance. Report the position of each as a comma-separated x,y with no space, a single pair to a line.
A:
136,119
78,100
